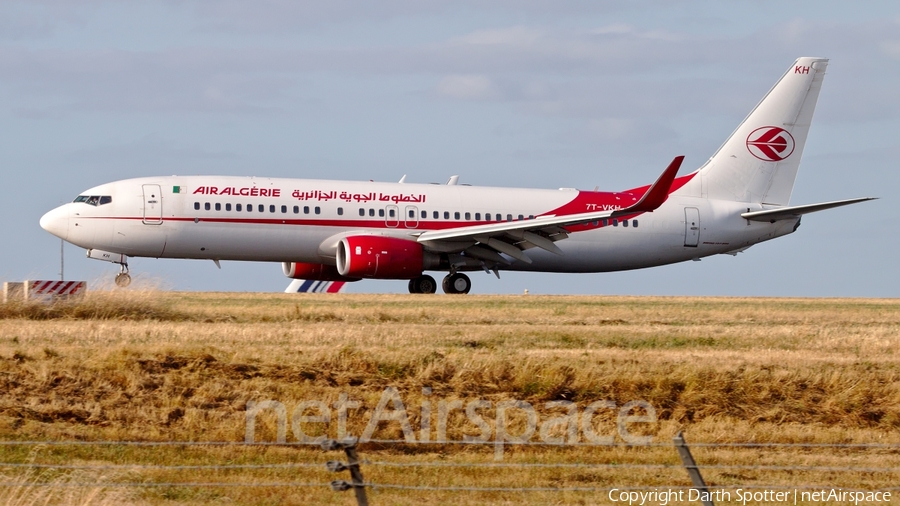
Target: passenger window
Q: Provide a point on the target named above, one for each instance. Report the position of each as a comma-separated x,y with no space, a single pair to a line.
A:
283,209
424,214
477,216
262,208
521,217
615,223
305,209
624,223
228,207
456,215
237,207
412,214
218,206
468,216
249,208
296,209
196,206
499,217
206,206
381,213
446,215
271,208
508,217
436,215
362,212
634,223
371,212
318,210
391,213
605,222
340,211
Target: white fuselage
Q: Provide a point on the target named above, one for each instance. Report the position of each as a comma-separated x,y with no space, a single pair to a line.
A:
298,220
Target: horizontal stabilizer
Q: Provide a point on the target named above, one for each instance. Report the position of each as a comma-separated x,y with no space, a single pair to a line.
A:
786,213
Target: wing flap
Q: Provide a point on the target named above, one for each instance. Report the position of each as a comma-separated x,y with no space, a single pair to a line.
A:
654,197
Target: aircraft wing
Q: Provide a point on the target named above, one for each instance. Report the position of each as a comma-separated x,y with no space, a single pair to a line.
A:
511,237
786,213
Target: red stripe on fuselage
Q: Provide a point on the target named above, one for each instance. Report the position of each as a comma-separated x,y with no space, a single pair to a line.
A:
584,201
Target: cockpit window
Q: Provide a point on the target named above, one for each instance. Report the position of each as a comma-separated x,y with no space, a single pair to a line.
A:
94,200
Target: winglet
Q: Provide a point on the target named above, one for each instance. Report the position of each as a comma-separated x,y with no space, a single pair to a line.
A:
658,191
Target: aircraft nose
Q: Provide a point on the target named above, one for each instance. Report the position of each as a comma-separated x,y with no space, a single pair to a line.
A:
57,222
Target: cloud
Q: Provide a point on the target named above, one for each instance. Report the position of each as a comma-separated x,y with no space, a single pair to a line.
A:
891,48
466,87
607,70
53,82
149,153
40,19
281,16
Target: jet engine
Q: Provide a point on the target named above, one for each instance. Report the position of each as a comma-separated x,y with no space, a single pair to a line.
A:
314,272
379,257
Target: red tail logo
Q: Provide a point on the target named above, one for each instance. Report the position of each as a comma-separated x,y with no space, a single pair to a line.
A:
771,144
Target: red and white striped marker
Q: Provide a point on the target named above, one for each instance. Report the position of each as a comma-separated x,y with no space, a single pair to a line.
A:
42,288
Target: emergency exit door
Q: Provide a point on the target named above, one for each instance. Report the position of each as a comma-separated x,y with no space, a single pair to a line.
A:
691,227
152,204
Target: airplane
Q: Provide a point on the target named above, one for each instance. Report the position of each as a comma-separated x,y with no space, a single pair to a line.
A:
345,231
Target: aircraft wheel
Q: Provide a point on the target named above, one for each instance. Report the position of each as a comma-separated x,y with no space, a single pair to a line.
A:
457,283
426,284
123,279
422,284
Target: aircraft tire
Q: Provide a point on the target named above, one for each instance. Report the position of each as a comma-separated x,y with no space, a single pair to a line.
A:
426,284
123,279
422,284
457,283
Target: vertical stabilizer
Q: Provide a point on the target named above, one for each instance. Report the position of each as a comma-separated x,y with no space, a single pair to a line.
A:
759,162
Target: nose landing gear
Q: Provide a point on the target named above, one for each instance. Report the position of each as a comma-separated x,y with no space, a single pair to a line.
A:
123,279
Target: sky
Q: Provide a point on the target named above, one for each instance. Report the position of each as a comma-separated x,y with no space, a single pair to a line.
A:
530,93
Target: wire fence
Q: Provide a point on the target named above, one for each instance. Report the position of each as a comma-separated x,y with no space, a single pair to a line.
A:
885,474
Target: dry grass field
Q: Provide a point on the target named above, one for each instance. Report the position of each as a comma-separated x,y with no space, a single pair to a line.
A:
159,366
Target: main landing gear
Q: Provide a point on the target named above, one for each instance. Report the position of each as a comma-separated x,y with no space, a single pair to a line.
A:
452,283
456,283
423,284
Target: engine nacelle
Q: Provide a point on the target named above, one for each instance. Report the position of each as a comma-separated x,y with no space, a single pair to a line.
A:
314,272
379,257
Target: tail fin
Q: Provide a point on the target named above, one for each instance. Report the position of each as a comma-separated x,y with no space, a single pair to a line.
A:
759,162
